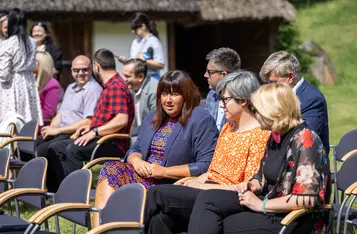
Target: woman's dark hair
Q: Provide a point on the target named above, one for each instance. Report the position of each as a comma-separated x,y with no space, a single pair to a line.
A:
49,36
181,83
17,24
138,19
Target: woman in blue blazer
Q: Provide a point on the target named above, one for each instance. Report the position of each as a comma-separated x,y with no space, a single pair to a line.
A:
176,140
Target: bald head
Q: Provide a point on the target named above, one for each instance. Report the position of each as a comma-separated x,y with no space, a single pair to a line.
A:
81,70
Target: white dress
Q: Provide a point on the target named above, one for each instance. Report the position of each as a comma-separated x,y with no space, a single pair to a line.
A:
18,83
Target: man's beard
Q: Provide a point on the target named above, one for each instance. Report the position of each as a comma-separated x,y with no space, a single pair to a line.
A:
97,77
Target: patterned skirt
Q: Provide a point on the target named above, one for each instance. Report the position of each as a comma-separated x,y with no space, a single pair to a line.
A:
119,174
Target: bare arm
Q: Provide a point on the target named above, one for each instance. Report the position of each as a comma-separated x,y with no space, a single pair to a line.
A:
55,123
282,204
73,127
154,65
114,125
177,172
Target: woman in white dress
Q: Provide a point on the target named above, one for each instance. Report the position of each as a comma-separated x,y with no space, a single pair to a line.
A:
17,63
147,45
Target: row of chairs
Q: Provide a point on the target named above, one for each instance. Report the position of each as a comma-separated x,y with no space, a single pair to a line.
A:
124,209
345,151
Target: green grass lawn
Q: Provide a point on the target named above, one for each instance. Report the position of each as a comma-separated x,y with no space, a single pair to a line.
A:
333,25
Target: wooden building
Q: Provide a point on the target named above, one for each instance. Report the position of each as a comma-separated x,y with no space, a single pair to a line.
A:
189,29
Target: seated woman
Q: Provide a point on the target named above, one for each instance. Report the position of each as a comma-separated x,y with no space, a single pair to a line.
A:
237,157
294,174
175,140
48,87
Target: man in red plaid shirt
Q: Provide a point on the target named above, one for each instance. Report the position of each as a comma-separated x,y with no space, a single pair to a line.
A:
114,113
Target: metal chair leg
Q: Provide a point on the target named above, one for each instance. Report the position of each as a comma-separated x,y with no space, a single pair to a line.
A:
57,224
73,228
17,208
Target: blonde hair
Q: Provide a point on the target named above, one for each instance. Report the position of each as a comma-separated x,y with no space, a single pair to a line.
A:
281,63
278,107
45,68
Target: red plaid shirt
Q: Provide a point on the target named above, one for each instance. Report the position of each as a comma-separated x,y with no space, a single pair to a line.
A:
114,99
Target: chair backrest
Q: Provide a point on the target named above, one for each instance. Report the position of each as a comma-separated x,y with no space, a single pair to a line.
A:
347,174
347,143
4,166
32,175
75,188
30,129
125,205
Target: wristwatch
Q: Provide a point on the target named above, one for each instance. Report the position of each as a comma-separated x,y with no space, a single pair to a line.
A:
95,130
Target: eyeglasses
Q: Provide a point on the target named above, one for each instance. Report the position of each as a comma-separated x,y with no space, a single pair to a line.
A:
225,100
211,72
78,70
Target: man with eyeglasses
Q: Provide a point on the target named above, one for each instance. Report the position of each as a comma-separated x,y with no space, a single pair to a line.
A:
77,106
220,62
283,67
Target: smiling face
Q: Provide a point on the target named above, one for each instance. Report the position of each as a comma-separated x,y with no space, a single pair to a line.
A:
133,82
39,34
172,103
81,70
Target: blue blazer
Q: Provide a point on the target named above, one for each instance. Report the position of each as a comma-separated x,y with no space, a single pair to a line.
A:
314,111
192,144
211,105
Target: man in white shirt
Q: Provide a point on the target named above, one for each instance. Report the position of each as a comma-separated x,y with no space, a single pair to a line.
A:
143,89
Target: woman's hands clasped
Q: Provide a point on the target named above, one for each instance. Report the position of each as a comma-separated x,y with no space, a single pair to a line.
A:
147,170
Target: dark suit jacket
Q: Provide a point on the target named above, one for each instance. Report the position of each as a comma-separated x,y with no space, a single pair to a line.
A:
192,144
314,111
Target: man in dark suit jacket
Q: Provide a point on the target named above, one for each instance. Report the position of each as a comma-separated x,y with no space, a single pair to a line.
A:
284,67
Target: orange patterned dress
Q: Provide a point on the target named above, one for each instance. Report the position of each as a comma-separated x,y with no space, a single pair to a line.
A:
237,155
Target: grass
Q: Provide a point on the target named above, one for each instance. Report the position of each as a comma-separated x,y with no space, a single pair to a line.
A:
332,25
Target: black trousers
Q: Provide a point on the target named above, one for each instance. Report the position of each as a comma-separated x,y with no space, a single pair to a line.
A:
176,209
43,144
65,157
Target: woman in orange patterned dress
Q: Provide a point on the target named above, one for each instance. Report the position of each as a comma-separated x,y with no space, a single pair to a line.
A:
240,148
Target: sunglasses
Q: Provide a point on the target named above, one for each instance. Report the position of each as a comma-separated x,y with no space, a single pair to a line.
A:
78,70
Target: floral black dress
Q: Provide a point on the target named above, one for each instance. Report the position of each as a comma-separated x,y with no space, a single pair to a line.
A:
296,164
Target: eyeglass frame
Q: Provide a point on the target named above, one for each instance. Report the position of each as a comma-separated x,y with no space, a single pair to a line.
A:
211,72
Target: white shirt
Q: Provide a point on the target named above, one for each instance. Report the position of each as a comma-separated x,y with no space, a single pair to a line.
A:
137,107
220,114
141,45
298,84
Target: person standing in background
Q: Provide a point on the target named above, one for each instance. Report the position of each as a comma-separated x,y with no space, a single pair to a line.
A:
17,63
146,45
42,34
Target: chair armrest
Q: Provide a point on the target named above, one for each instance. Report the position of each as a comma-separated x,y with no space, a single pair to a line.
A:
2,178
351,189
112,136
5,135
349,154
293,215
333,146
98,161
115,225
13,193
14,139
47,212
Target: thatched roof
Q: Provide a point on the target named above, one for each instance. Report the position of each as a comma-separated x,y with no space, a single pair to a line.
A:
212,10
207,10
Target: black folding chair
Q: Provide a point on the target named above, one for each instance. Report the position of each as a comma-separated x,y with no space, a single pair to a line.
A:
29,188
25,144
4,173
72,195
124,211
345,147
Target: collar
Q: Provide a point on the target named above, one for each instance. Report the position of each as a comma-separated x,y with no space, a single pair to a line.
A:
77,89
139,91
297,86
215,96
276,136
111,80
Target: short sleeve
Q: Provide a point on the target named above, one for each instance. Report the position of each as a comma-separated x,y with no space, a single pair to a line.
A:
90,101
158,51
